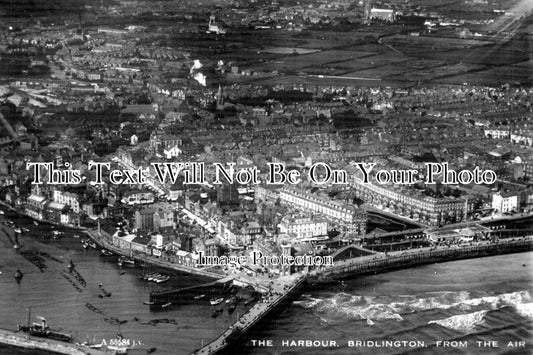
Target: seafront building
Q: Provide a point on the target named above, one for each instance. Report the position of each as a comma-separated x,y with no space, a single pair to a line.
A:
349,218
411,203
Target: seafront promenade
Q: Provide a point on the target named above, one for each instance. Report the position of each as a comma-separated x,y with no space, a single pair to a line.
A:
413,257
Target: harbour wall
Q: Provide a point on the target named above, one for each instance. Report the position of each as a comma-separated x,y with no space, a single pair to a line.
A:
22,340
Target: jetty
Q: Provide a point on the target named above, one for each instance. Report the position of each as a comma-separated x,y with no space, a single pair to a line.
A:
282,291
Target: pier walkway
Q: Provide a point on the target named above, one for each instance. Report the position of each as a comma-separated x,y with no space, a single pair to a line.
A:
412,257
281,290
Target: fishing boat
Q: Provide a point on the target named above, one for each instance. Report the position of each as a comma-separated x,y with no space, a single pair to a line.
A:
215,301
199,297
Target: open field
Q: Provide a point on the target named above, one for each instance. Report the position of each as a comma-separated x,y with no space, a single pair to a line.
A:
495,76
379,72
329,81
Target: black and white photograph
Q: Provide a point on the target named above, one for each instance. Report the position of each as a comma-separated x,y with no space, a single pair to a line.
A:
200,177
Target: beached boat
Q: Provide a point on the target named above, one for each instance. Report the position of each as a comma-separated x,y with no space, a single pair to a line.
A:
215,301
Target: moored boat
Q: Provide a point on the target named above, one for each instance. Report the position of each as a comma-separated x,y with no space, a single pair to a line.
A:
43,330
168,304
215,301
106,252
162,278
118,349
148,303
199,297
126,261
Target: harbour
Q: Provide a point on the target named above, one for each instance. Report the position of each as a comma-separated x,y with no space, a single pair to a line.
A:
236,327
51,296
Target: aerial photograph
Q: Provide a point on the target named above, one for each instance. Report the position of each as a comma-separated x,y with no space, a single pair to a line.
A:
266,177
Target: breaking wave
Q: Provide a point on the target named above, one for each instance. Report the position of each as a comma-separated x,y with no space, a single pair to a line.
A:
385,307
525,310
462,322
